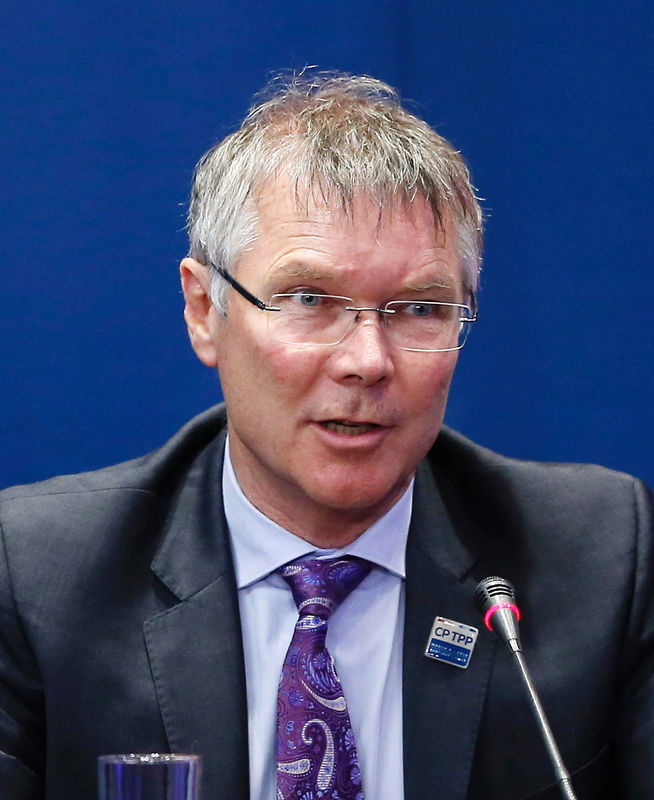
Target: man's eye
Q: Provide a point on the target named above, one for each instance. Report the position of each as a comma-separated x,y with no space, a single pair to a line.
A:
307,300
419,309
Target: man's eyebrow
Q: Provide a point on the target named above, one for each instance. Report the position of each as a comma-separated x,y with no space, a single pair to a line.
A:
446,282
298,269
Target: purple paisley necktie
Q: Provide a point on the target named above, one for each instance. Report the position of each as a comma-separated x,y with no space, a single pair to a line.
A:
316,752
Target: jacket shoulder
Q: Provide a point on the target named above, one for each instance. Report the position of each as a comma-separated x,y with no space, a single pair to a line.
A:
133,497
462,458
497,501
147,473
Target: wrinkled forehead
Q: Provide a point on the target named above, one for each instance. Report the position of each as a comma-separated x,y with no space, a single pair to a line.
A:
360,240
364,208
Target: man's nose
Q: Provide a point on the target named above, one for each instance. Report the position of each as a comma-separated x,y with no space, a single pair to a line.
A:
366,352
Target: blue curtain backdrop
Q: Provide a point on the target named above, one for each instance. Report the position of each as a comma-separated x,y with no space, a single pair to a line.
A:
106,107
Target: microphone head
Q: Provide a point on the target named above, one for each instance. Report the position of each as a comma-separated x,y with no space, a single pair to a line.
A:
495,595
493,590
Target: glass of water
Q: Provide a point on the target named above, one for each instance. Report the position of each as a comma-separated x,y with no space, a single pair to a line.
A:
151,776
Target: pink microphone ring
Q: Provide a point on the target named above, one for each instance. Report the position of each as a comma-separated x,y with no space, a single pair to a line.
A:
496,607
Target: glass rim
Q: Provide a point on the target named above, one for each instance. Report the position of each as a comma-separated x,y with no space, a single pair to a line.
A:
397,301
148,758
278,331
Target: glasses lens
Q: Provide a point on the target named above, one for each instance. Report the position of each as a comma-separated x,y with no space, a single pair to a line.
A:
304,318
428,326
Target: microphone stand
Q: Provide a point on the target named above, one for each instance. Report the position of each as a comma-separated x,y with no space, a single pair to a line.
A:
561,773
495,597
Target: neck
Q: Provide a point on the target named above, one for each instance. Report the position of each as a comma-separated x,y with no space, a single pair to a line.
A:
326,520
340,531
323,525
324,528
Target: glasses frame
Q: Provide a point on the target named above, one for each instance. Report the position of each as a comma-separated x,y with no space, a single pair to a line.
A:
251,298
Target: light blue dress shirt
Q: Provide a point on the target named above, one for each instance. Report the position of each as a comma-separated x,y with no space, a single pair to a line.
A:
364,636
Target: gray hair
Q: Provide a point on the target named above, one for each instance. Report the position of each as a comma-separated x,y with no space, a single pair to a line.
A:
333,133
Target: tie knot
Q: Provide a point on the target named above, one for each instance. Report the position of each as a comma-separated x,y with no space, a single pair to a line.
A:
320,585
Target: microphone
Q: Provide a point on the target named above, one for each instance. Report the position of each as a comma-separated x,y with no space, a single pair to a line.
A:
495,598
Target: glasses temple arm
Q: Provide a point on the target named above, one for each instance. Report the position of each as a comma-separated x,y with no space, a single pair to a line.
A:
240,289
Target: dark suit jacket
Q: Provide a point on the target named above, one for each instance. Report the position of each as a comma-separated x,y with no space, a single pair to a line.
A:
119,628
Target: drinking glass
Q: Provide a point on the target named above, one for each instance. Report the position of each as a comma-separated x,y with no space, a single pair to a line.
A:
150,776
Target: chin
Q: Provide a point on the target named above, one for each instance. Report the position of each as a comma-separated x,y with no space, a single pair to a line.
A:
358,494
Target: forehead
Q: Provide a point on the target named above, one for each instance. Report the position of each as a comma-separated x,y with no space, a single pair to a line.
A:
279,200
316,225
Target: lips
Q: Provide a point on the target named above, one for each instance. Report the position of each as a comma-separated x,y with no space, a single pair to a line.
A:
349,428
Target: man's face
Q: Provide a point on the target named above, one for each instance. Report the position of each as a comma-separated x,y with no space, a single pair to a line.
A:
324,439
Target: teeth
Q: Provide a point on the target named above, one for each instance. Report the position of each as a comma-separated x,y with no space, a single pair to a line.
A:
349,428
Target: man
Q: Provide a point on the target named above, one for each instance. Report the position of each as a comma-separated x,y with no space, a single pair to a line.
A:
334,254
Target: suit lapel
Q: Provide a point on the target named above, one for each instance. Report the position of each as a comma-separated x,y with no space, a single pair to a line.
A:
194,646
442,704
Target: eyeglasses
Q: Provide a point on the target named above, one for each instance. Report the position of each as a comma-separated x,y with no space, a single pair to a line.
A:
311,318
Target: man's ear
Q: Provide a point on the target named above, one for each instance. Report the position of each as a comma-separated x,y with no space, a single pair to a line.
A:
199,313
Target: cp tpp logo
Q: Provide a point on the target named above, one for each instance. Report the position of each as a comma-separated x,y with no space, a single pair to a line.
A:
451,642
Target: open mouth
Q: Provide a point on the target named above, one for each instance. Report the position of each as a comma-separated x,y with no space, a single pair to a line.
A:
349,428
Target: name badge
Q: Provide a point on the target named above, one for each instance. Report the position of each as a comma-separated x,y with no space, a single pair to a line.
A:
451,642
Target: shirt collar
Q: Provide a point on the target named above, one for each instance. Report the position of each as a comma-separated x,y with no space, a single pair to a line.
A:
260,546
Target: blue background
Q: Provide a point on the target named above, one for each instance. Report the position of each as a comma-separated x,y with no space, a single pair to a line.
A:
107,106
